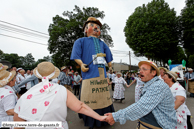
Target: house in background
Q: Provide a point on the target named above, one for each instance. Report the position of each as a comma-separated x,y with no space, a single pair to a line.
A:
121,67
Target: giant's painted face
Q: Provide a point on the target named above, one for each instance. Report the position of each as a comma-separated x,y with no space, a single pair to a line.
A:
93,30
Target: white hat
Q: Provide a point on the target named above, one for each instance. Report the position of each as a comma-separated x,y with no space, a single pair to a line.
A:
18,69
190,69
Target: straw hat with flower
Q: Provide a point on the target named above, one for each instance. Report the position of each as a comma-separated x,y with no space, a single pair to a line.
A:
151,63
3,67
6,77
46,69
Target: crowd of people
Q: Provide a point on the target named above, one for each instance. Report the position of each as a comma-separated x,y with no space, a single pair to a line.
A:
18,84
44,93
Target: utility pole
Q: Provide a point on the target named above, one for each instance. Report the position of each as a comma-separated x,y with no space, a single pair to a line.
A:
129,61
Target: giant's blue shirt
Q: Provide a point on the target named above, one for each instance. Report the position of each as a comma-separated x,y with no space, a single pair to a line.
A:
83,49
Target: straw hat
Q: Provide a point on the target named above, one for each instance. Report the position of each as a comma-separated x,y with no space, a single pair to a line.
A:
70,73
148,62
119,73
46,69
190,69
3,67
64,67
94,20
165,70
172,74
6,77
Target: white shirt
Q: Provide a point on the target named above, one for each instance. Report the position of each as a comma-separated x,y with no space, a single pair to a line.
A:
138,88
7,102
113,76
181,112
37,104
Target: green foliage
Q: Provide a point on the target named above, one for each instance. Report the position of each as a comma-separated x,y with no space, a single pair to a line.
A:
27,62
65,31
14,59
191,61
179,55
153,31
187,24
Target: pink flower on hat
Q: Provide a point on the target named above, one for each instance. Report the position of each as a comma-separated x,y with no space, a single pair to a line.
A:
10,92
49,84
185,127
34,111
176,89
2,96
55,92
183,111
45,87
46,103
29,96
44,77
41,90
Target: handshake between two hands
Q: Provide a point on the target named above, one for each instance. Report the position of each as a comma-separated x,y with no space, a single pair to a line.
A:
108,118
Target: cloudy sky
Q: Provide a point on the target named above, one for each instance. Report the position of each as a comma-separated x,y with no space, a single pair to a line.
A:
37,15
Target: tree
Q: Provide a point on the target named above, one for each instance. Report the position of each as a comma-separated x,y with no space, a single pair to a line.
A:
153,31
13,58
1,54
65,31
191,61
179,55
29,59
187,24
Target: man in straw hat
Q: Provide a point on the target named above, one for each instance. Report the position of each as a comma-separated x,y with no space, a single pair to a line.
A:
162,71
155,108
64,79
8,98
48,101
94,90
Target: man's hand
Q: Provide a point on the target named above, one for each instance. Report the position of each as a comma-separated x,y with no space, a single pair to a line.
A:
83,68
109,119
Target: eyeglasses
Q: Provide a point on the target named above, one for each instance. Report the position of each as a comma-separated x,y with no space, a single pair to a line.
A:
143,69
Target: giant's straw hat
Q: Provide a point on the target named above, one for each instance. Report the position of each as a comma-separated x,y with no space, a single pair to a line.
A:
148,62
6,77
172,74
46,69
94,20
3,67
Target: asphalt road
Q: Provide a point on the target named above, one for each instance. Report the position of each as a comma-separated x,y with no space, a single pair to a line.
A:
75,123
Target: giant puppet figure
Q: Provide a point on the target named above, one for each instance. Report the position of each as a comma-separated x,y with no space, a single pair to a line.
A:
95,90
